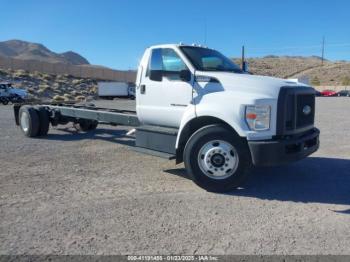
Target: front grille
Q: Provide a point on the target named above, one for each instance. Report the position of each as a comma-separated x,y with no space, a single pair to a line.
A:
296,110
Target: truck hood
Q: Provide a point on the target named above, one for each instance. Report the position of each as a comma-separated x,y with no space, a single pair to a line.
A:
262,86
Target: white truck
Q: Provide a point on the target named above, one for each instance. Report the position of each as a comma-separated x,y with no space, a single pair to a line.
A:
115,89
195,105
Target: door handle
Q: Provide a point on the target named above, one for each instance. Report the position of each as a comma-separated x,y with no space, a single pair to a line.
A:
143,89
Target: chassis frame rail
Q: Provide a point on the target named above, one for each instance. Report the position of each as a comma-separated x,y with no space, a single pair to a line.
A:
76,111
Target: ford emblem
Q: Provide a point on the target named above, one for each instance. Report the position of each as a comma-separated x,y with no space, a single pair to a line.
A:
307,110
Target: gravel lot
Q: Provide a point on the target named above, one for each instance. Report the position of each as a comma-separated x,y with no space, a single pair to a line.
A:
90,193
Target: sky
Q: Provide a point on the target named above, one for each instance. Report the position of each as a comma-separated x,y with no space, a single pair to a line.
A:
114,33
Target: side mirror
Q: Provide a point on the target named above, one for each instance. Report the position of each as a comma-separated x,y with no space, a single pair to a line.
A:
156,75
185,75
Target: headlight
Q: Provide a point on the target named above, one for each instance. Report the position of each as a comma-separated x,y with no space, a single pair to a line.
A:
258,117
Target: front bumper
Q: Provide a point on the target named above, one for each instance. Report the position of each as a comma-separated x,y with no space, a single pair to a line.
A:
282,151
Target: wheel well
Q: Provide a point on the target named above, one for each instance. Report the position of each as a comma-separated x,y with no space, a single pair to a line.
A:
191,127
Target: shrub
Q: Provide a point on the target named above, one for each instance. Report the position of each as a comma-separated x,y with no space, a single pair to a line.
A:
80,98
58,98
47,77
77,81
315,81
44,87
346,81
21,73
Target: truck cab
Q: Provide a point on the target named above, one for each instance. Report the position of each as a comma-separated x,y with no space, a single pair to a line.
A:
193,89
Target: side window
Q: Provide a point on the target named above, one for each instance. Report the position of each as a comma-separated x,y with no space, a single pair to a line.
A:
155,63
168,62
172,64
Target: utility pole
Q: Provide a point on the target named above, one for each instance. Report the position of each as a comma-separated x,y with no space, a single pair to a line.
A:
243,59
322,50
205,31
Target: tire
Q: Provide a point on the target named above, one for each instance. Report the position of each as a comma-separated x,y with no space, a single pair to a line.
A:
17,99
217,150
44,120
87,125
5,101
29,121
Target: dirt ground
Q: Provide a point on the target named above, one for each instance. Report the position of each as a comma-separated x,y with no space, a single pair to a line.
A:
90,193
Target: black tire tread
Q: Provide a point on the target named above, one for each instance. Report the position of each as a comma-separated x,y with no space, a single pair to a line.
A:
216,131
33,121
44,120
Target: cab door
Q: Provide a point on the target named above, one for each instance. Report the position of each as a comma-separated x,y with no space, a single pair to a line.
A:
166,89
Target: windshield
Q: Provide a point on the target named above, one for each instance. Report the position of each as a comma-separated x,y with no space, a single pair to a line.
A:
205,59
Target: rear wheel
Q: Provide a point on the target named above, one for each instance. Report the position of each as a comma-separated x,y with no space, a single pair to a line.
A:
216,159
44,120
29,121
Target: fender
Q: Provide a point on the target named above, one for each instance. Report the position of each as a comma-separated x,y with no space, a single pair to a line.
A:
226,111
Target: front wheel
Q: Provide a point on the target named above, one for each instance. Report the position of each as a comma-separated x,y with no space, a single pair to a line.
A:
4,101
17,99
217,159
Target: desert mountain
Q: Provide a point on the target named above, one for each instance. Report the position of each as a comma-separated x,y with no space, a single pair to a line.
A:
32,51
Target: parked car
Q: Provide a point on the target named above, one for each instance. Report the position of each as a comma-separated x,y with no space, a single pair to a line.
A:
328,92
317,93
10,94
344,92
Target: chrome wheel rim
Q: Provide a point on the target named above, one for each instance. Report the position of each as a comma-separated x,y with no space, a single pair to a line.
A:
218,159
25,121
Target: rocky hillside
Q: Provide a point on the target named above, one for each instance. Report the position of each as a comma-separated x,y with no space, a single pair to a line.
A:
32,51
48,87
330,73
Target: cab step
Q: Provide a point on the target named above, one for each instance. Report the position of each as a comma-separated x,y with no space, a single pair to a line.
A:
153,153
156,138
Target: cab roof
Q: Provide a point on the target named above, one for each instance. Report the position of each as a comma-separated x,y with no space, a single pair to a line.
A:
176,45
